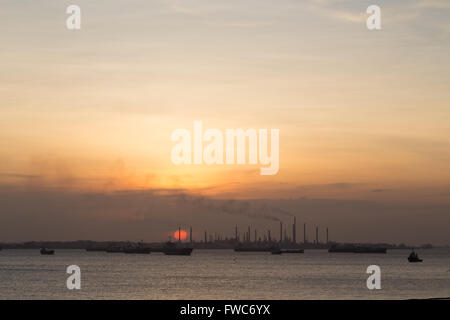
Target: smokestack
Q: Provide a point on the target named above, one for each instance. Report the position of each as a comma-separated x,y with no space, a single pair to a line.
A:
248,235
294,235
236,233
317,235
179,234
327,235
255,235
281,231
190,234
268,232
304,233
206,239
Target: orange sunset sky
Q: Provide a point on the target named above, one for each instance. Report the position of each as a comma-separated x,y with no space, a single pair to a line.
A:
363,115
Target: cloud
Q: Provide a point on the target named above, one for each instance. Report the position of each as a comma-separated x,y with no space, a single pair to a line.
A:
435,4
185,10
342,10
19,175
325,10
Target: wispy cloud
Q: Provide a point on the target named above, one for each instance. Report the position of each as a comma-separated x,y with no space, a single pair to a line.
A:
437,4
326,8
334,9
185,10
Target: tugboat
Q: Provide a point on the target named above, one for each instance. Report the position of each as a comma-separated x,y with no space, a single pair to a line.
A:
413,257
171,249
47,252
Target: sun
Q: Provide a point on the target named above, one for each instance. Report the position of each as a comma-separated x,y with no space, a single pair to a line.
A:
183,235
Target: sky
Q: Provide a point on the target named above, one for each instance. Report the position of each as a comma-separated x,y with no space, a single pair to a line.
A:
86,117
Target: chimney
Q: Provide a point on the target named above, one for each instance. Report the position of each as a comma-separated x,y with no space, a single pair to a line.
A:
206,239
268,233
255,235
248,235
294,235
190,234
317,235
179,234
236,233
327,235
281,231
304,233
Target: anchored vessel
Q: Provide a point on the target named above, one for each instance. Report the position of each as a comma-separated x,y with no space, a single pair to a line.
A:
137,249
413,257
94,248
253,249
356,249
114,249
171,249
47,252
280,251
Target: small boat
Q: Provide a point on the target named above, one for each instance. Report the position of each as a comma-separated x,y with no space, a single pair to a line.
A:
413,257
171,249
47,252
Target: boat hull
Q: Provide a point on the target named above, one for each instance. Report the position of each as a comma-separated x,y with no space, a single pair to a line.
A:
177,251
355,249
137,251
253,249
47,252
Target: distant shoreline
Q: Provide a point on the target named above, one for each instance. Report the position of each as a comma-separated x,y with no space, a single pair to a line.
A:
220,244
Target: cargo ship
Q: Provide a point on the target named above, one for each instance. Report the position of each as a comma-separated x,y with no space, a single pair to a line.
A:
47,252
356,249
139,249
114,249
94,248
281,251
171,249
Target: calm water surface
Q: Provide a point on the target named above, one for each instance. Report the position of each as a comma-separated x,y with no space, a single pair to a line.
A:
223,274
